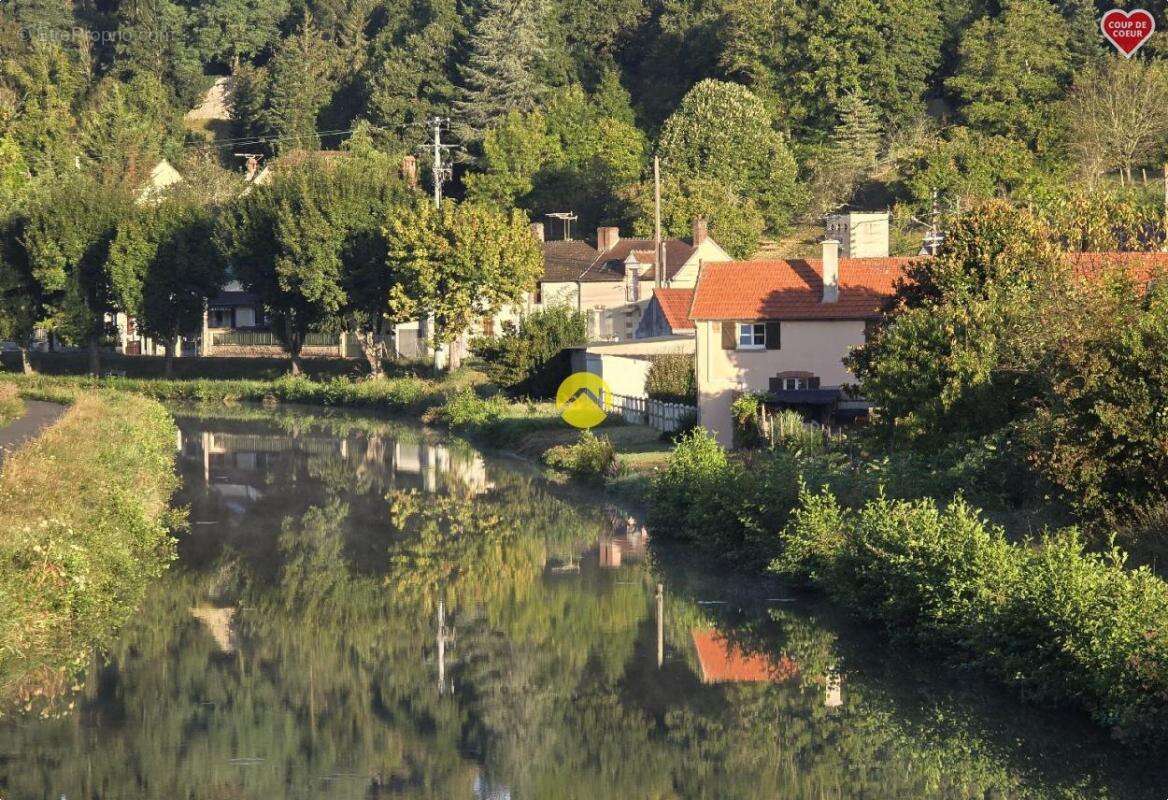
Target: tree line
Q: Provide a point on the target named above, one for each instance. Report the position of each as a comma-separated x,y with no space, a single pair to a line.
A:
765,116
340,247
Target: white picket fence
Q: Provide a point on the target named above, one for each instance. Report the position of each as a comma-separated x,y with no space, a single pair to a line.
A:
657,414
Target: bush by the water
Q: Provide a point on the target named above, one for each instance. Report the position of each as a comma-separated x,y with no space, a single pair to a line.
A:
591,457
85,519
466,410
529,358
1070,626
671,379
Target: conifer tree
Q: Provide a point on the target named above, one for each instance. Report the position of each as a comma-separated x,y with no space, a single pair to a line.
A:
856,140
501,73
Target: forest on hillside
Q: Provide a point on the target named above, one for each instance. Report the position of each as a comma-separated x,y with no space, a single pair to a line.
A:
766,114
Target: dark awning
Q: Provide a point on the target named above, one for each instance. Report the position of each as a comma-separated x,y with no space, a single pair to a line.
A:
806,397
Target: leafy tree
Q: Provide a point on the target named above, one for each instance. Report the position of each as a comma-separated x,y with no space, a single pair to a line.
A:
229,31
568,155
965,167
501,71
960,353
163,267
67,237
22,297
154,39
14,173
1011,67
527,359
734,219
1117,114
459,264
1099,434
722,132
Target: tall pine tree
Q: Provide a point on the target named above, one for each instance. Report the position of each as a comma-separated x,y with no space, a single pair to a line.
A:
856,140
501,73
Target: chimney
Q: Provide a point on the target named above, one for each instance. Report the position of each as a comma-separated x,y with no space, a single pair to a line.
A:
252,164
409,171
537,231
607,238
830,270
700,231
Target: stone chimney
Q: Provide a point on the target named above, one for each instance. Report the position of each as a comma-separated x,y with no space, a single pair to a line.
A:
830,270
700,231
607,238
409,171
537,231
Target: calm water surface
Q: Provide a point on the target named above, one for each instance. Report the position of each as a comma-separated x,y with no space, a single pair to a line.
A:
363,610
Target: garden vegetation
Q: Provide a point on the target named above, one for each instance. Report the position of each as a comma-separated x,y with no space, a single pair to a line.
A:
85,528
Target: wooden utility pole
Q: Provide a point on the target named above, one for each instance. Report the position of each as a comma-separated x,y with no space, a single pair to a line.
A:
658,252
660,625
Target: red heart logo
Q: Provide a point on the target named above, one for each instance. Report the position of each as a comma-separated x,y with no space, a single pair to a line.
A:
1127,30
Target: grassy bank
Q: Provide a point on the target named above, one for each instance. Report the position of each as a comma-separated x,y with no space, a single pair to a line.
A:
1065,625
83,529
11,406
405,394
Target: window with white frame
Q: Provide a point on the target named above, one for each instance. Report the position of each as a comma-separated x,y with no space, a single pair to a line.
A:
795,384
751,335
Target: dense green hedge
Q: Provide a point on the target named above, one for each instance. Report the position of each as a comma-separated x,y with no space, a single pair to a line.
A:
85,521
1069,626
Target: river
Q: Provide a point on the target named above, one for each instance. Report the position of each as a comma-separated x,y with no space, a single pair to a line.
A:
363,609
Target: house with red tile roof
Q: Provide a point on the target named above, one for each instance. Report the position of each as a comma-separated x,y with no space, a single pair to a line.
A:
783,327
667,314
614,281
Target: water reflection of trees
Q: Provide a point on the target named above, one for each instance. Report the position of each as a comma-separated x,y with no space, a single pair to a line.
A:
309,669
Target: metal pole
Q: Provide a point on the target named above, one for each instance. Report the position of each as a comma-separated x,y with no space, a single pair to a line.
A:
657,221
660,625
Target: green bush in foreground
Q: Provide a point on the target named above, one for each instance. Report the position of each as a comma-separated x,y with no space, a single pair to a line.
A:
591,457
1069,626
84,520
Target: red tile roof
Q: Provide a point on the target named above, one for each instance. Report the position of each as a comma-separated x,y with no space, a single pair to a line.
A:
793,289
675,305
721,661
1140,265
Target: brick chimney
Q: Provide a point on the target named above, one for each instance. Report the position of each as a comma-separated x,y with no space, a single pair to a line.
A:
409,171
700,231
830,270
537,231
607,238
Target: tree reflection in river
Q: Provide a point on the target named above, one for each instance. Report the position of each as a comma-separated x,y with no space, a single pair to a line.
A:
294,652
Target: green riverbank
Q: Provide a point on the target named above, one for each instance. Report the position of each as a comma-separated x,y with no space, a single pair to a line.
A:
85,522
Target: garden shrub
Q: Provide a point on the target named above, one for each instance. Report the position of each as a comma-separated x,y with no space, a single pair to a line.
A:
671,379
591,457
1068,625
467,410
528,358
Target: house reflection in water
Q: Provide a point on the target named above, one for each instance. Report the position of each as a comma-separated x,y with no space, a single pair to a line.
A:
724,662
624,539
237,467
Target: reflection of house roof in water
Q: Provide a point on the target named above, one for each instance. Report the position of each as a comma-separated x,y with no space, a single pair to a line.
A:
723,662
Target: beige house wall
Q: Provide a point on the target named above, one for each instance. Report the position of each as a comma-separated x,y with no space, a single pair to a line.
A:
817,347
687,276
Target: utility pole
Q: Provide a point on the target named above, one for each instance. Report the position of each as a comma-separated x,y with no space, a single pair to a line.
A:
658,253
660,625
440,172
1165,245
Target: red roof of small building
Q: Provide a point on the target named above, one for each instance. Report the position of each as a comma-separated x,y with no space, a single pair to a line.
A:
793,289
723,662
675,305
1141,266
